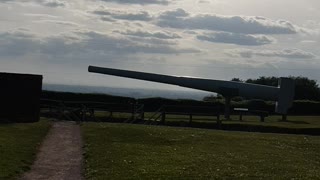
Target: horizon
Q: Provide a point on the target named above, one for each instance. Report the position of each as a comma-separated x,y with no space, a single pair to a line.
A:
130,92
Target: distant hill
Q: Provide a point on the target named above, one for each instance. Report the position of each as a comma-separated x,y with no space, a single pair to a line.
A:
128,92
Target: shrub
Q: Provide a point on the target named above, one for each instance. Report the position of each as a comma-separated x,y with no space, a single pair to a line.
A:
305,107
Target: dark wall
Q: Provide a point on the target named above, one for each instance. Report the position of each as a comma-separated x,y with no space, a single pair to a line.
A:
20,97
69,96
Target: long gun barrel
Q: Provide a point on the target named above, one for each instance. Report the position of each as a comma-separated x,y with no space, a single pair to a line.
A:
226,88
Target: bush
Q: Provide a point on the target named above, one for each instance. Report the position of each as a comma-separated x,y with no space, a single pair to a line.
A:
153,104
305,107
238,99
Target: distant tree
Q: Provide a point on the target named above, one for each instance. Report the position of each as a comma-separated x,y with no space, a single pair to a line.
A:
269,81
237,80
238,99
209,98
212,98
305,88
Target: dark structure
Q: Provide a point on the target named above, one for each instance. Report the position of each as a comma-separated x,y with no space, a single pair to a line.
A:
20,97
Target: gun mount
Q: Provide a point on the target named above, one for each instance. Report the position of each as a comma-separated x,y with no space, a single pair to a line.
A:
283,94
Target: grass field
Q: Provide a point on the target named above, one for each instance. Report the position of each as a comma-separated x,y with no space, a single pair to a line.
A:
18,146
125,151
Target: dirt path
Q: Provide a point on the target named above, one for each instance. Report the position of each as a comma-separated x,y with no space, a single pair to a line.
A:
60,155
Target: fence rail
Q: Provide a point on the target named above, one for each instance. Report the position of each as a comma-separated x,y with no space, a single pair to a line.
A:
85,110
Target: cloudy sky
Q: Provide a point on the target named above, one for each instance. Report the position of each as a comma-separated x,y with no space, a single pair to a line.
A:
218,39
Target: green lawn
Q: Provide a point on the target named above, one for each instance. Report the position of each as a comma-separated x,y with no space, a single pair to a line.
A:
126,151
18,146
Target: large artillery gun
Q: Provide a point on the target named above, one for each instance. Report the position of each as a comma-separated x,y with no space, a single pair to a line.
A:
283,94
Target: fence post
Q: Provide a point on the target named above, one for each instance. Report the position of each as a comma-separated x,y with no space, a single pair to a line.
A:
227,106
219,121
163,117
133,112
190,119
142,115
284,117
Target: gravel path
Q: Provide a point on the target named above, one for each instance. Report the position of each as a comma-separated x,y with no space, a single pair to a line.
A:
60,155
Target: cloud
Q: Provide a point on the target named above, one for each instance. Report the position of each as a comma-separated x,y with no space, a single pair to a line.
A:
150,40
285,53
235,38
53,3
48,3
40,16
137,16
180,19
110,44
204,1
157,34
140,2
4,1
173,14
77,43
17,43
64,23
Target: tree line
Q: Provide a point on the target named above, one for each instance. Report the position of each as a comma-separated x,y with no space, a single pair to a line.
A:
305,88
